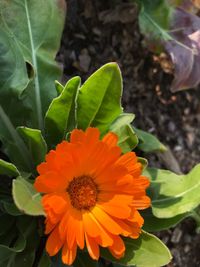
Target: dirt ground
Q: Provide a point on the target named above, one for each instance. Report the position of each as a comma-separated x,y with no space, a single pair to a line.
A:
98,32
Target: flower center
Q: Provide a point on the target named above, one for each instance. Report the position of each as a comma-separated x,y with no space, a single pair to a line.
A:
83,192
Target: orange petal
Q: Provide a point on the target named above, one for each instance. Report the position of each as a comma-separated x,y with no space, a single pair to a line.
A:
94,229
110,139
49,226
54,242
43,168
142,203
71,228
77,136
105,220
69,255
92,135
92,247
118,247
50,182
128,160
116,205
55,205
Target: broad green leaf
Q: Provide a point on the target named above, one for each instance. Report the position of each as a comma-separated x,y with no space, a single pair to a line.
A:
127,137
37,34
61,115
7,168
173,194
13,144
26,198
13,69
99,98
34,142
25,227
146,251
154,224
10,245
84,260
28,226
148,142
45,260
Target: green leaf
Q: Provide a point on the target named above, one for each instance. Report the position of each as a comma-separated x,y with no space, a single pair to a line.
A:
144,162
37,34
59,87
13,145
57,261
146,251
99,98
12,65
10,245
84,260
7,168
45,260
152,23
148,142
61,115
127,137
27,226
154,224
173,194
26,198
11,208
34,142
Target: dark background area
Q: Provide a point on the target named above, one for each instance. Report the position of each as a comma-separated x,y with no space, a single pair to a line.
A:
100,31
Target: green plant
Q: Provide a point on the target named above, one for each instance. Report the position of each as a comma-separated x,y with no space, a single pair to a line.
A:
35,118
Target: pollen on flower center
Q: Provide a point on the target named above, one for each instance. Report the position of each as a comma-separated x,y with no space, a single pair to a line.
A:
83,192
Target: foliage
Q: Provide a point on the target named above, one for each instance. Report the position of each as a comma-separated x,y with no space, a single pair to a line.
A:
33,119
176,32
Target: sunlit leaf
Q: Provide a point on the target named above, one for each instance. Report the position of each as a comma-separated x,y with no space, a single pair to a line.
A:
26,198
127,137
145,251
61,115
34,142
7,168
173,194
99,98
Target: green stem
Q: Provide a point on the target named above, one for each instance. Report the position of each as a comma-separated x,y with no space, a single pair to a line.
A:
36,78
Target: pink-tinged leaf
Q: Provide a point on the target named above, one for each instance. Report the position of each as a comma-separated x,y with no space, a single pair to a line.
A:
184,50
177,31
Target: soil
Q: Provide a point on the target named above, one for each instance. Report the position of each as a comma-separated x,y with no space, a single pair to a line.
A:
97,32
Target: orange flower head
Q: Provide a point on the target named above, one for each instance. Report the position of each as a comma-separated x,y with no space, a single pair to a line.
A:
92,194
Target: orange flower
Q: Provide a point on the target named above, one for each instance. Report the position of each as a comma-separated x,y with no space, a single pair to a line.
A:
92,195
